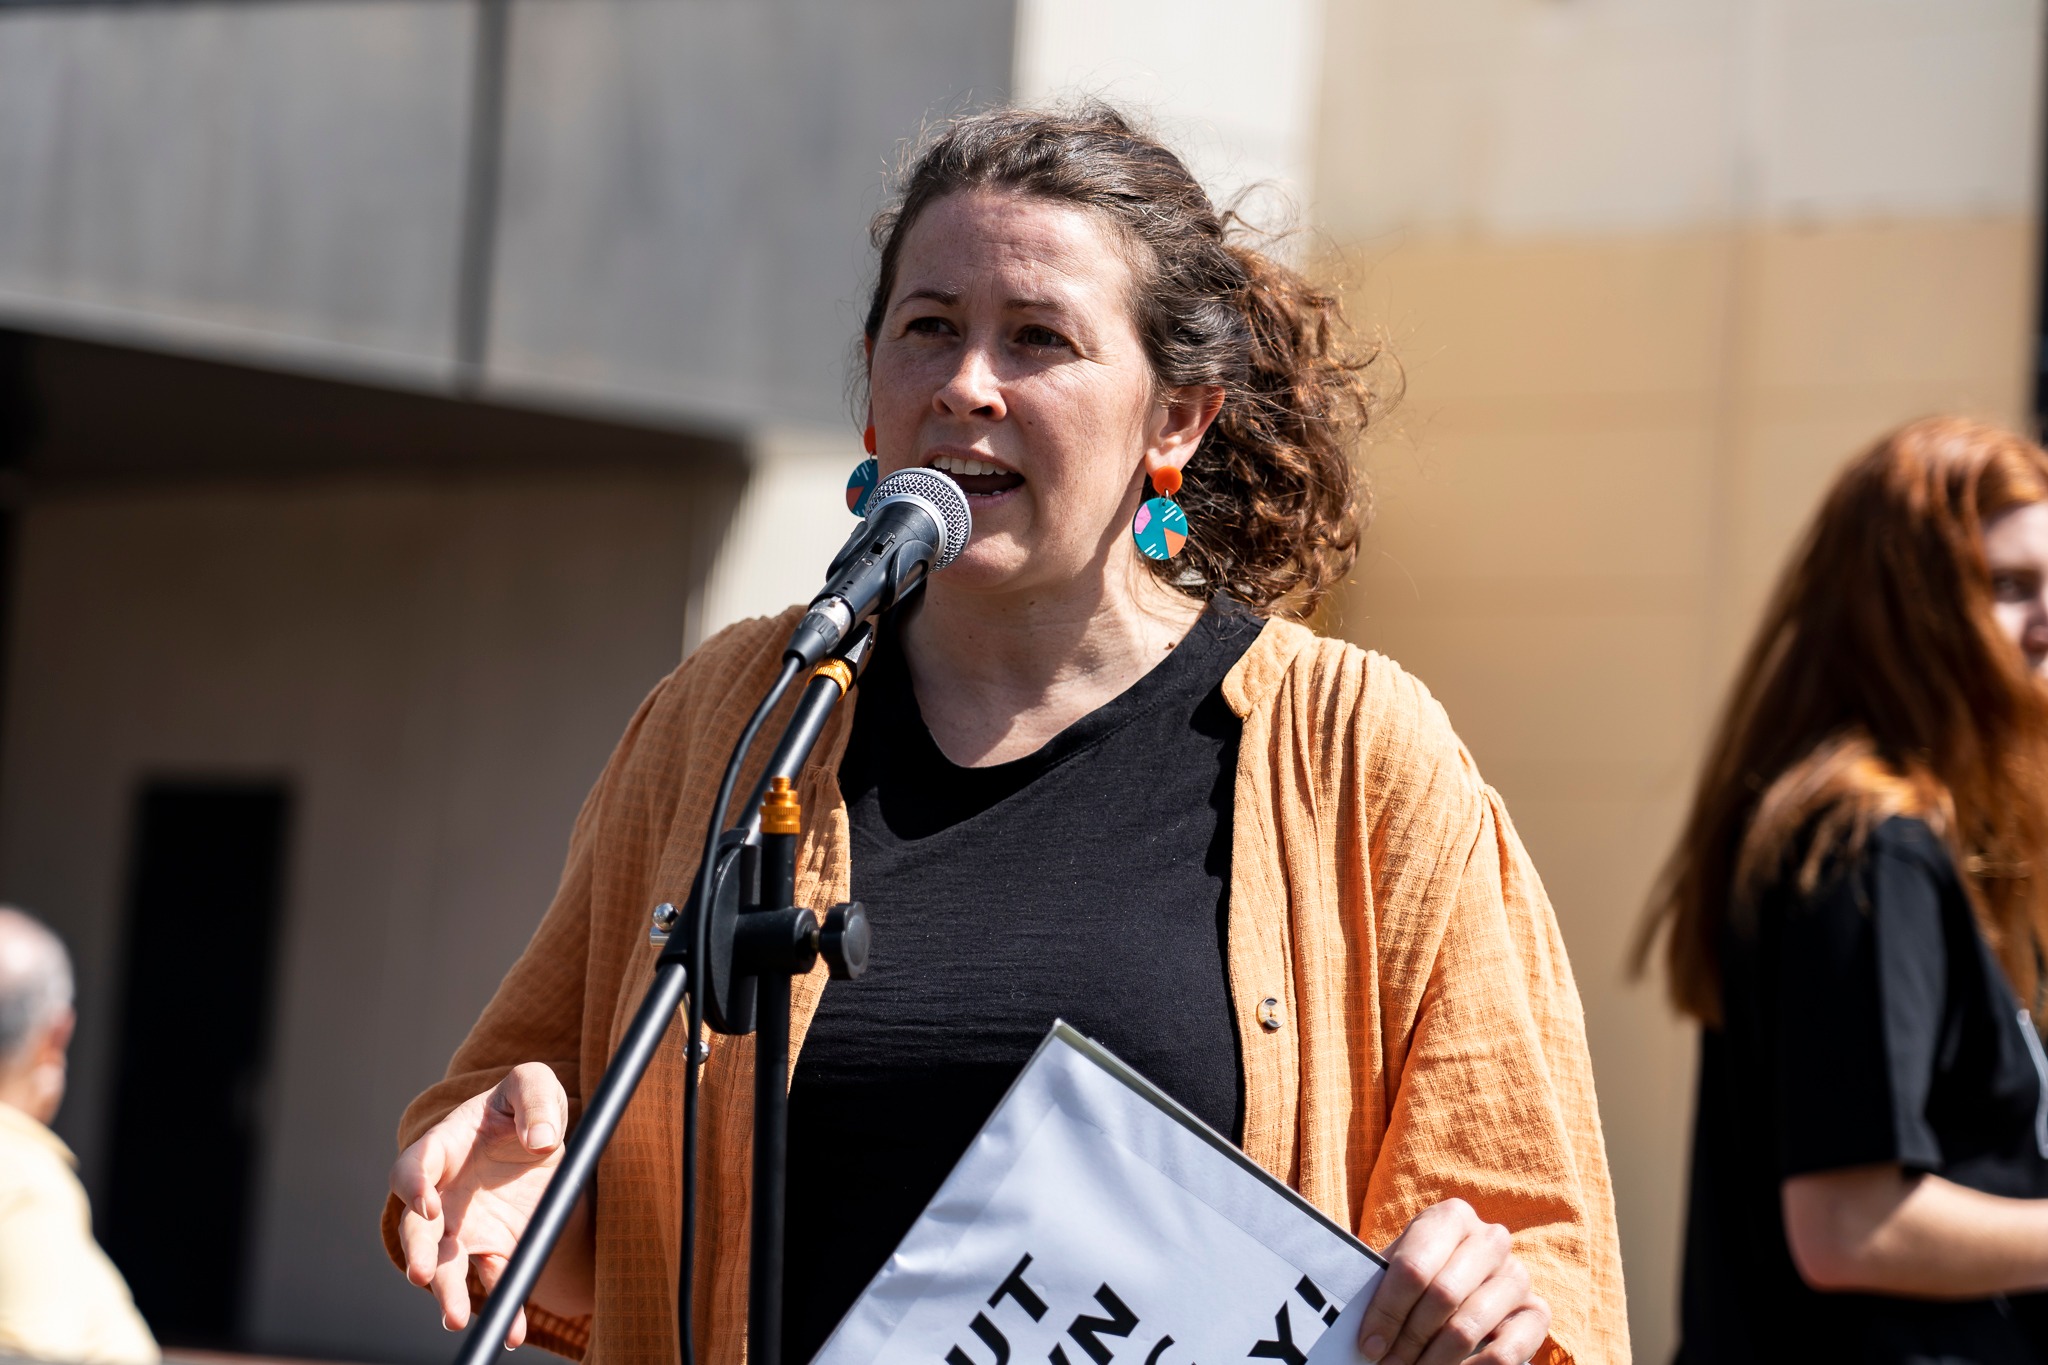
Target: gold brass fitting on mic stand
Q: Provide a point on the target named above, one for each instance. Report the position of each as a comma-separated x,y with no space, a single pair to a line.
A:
839,671
780,813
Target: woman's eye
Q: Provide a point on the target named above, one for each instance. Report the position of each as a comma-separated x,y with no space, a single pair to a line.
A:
1040,336
2009,587
928,326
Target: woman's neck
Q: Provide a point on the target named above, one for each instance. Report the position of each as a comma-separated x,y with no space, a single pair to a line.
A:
997,675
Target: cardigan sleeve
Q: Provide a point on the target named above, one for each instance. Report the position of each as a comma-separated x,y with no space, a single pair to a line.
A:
1486,1058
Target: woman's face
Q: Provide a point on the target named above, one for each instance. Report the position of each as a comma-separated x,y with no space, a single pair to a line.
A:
2016,547
1008,358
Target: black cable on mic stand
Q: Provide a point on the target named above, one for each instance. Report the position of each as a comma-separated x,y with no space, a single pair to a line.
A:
701,954
764,1008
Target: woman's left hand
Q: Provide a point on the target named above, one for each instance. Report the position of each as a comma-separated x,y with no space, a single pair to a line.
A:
1453,1288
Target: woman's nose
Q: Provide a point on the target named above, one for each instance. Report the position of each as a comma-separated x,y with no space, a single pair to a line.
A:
972,388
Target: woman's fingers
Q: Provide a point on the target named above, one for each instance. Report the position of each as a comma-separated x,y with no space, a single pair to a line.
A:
534,1100
437,1178
1517,1340
1478,1256
451,1284
1479,1317
416,1175
419,1241
1412,1263
489,1270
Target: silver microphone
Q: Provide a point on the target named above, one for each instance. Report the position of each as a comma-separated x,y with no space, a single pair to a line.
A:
917,524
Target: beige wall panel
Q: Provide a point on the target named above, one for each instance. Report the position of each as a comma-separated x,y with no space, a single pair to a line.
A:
1596,856
1635,116
1556,705
1533,501
1606,450
1480,318
1939,311
1845,333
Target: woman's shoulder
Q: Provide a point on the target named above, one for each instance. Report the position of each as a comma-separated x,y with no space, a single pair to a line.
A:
715,685
1900,862
1340,686
754,645
1910,839
728,660
1348,709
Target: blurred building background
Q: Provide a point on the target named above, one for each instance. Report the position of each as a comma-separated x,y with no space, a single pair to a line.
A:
391,390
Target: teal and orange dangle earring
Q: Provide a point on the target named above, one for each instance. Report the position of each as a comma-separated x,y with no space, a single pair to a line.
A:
861,485
1161,528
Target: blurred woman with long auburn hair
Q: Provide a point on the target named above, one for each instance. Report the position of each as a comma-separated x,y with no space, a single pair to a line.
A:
1857,914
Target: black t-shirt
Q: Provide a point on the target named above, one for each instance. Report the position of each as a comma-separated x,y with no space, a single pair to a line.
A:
1087,881
1866,1023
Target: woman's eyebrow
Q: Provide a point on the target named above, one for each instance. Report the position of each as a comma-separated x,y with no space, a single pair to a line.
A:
948,297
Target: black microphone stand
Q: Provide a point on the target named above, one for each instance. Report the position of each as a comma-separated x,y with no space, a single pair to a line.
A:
737,955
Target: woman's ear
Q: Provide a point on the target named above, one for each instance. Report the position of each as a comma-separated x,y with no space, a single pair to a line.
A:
1184,418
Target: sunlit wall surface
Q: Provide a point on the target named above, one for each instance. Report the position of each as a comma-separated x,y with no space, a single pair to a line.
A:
1654,271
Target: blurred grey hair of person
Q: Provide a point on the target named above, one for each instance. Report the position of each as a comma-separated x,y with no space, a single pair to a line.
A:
35,1014
60,1297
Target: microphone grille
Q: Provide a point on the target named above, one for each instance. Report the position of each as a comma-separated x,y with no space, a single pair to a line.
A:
944,495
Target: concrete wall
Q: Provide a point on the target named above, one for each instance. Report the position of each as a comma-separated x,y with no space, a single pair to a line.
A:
675,237
676,231
277,182
687,189
438,667
1654,271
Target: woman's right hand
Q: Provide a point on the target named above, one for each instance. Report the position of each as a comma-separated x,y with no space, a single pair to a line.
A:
471,1184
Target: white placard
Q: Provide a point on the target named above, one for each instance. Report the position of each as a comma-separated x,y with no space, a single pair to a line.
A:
1094,1220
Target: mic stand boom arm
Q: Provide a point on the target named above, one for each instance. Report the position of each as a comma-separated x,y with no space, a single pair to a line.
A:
775,942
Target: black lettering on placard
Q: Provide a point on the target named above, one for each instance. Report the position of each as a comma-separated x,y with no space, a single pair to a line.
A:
1088,1332
1058,1357
1158,1351
1013,1287
1281,1347
1307,1289
994,1339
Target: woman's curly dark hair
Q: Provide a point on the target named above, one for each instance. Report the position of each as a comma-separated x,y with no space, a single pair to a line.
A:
1274,503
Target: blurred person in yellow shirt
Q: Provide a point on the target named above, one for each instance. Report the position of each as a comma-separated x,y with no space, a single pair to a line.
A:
60,1297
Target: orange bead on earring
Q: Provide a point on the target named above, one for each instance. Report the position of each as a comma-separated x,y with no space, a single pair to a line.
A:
867,439
1166,480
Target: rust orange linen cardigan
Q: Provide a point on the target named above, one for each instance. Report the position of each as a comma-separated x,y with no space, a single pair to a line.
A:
1429,1037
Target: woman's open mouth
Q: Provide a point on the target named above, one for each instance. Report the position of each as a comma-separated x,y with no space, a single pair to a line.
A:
977,478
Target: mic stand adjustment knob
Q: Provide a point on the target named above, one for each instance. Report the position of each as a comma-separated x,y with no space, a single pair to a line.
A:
843,940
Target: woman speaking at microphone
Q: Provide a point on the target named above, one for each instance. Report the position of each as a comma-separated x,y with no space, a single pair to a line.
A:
1857,913
1101,773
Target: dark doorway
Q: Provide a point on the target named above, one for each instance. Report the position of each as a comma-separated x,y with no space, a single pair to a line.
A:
206,882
